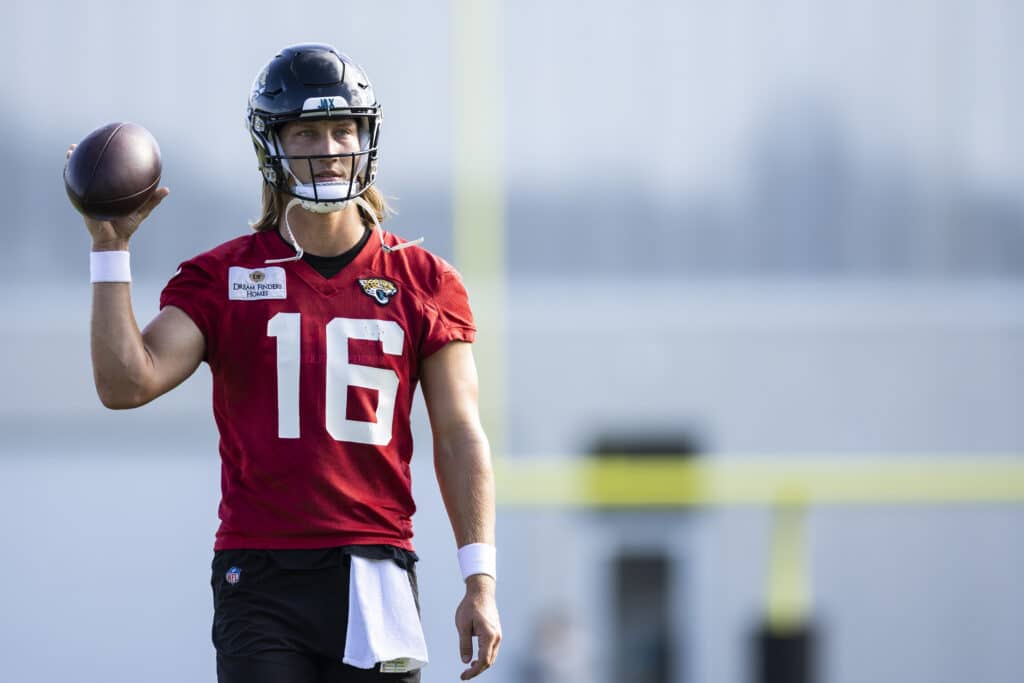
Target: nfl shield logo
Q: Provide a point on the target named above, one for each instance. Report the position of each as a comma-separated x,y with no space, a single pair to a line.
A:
233,575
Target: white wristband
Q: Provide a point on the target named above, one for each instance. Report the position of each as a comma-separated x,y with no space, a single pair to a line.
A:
109,266
478,558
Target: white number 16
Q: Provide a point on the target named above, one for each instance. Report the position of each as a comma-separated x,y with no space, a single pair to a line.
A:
287,329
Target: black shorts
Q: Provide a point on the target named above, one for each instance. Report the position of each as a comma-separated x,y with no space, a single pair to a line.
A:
282,617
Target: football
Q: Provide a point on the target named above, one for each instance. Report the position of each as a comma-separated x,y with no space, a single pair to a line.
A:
113,171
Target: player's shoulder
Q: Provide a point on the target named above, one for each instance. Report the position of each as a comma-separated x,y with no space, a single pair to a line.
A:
416,266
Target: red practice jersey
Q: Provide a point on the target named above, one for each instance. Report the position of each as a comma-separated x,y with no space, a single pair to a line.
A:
313,382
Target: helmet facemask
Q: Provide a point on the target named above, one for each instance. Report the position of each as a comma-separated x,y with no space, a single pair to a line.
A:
320,196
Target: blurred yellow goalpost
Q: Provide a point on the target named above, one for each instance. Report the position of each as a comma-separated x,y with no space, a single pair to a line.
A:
479,248
786,484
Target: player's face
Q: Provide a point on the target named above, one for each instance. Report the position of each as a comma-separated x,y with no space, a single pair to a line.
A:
317,138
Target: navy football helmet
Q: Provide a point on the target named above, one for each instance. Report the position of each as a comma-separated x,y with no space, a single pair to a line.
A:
316,82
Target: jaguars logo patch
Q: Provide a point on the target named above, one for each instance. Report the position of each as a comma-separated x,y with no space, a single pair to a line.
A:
379,289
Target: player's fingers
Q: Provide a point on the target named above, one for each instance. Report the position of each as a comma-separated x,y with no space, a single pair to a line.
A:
70,150
492,648
487,640
475,669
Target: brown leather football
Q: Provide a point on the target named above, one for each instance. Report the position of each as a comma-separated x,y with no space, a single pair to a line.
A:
113,171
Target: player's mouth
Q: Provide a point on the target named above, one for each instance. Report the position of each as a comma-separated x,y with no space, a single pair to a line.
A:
330,178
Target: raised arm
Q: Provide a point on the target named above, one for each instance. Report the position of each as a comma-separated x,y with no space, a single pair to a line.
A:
462,459
133,367
130,367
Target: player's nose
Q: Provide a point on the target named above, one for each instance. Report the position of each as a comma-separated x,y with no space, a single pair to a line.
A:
322,144
330,144
333,146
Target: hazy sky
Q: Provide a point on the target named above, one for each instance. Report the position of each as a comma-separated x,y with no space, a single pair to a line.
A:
793,136
670,90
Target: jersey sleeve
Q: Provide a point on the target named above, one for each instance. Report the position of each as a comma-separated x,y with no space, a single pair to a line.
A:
193,289
449,316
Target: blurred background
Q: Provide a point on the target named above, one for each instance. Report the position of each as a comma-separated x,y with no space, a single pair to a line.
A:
717,231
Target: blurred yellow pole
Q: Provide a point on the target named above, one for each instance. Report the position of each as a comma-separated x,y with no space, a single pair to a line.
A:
788,579
666,482
478,233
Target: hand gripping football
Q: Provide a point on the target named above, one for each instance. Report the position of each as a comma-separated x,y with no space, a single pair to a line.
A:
113,171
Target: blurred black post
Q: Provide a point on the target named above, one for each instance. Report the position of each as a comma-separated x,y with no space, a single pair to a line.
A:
645,642
785,657
643,627
645,446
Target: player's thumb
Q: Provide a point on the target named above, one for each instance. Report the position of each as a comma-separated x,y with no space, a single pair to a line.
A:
158,196
143,211
465,642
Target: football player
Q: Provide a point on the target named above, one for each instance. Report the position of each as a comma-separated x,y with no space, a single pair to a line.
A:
317,328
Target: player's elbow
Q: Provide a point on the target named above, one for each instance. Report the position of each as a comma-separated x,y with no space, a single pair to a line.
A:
464,443
118,402
121,396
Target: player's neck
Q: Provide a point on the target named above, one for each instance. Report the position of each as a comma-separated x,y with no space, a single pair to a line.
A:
325,234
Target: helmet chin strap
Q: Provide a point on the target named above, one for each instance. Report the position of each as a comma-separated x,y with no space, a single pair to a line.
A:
291,236
358,201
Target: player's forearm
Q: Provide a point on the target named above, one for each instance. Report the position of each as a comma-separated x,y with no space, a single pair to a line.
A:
120,361
466,479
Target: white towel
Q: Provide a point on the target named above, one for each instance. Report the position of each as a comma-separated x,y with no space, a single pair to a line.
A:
383,624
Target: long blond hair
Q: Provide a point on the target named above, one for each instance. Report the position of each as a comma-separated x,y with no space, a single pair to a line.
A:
274,202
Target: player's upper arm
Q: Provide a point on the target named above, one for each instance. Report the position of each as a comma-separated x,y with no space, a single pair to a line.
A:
175,346
451,388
